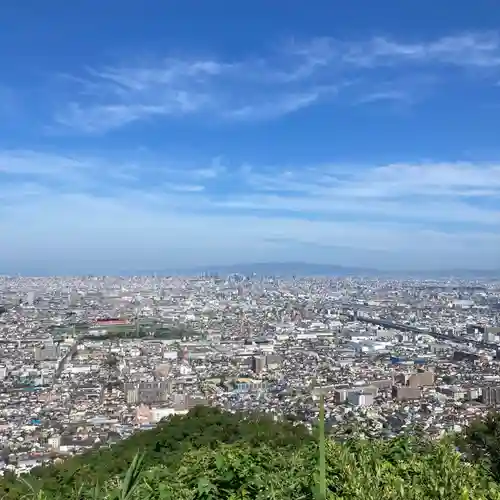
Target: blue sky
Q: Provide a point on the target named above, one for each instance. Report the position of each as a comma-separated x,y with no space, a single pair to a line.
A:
159,134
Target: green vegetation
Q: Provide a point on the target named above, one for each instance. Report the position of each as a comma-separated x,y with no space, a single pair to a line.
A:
210,454
130,332
480,443
202,428
139,329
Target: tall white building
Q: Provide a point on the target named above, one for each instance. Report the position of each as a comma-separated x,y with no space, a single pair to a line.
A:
359,398
55,441
30,298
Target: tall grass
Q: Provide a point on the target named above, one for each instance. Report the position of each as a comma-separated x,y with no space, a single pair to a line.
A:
322,453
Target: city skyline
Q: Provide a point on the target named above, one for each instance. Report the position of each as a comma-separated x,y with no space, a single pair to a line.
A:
337,133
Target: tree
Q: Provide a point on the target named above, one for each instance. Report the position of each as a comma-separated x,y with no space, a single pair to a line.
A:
481,443
213,454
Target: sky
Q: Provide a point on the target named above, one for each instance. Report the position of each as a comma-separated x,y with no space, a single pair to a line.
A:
186,133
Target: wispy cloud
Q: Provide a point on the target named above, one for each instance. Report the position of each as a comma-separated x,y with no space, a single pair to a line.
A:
269,85
284,105
426,213
469,49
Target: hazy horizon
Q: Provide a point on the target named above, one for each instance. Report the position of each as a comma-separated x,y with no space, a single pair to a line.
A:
274,267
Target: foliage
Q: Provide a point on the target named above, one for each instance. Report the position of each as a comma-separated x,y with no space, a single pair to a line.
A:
370,470
481,443
170,333
209,454
367,471
202,427
322,451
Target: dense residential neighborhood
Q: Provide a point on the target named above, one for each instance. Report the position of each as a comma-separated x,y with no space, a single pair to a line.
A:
89,361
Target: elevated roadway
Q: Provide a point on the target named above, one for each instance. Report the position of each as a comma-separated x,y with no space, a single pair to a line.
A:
67,357
421,331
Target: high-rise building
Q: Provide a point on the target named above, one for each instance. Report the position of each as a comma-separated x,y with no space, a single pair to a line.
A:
147,392
383,384
340,395
47,353
491,395
406,393
54,441
30,298
360,398
421,379
132,396
258,363
73,298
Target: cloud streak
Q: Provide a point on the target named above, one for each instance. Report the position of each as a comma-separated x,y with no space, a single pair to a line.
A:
427,214
264,87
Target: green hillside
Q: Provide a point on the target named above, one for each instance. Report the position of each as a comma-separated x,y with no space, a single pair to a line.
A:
209,454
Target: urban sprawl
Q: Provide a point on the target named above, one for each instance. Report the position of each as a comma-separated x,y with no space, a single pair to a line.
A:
86,362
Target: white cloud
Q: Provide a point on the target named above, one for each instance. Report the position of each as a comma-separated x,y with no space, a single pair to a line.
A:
30,162
186,188
386,95
275,84
272,109
387,181
469,49
417,215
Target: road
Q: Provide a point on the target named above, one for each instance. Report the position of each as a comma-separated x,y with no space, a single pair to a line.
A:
413,329
67,357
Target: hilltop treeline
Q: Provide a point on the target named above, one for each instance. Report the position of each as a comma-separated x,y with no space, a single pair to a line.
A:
212,454
202,428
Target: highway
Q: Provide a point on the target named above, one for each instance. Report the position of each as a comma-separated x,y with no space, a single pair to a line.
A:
413,329
32,340
67,357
